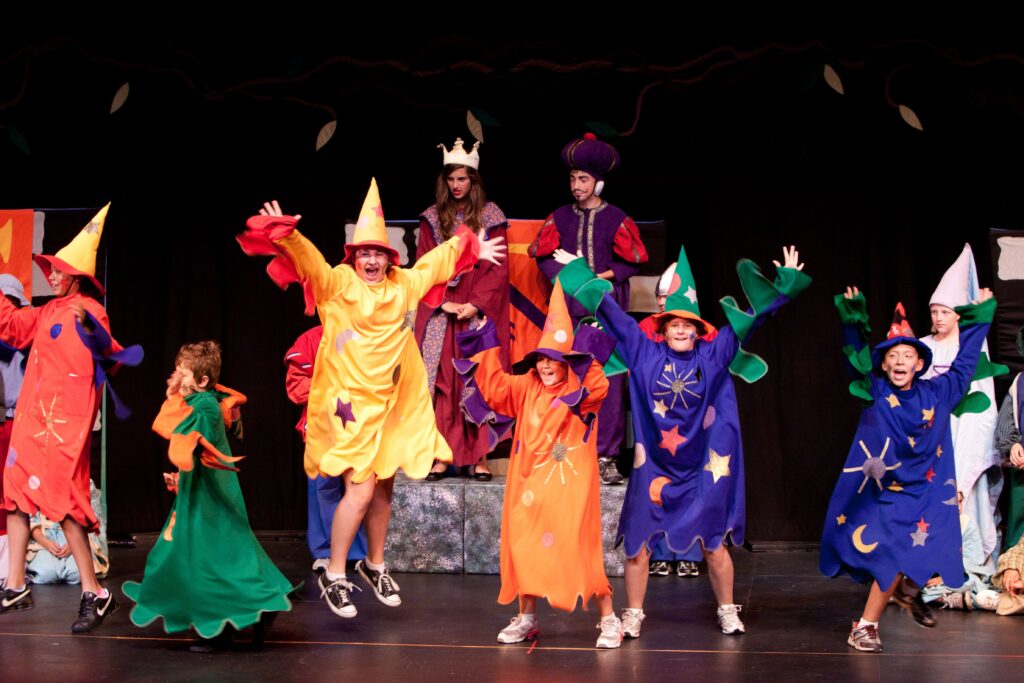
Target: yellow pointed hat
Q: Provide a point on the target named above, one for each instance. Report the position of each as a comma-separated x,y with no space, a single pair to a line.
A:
78,257
370,229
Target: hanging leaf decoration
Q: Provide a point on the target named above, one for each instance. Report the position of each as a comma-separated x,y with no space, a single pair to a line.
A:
833,80
602,128
18,140
910,117
475,127
325,134
119,98
484,118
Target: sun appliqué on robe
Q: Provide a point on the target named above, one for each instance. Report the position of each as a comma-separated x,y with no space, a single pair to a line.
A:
687,481
894,507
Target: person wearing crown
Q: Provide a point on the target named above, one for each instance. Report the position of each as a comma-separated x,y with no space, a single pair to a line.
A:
610,242
48,459
893,519
687,485
369,412
482,291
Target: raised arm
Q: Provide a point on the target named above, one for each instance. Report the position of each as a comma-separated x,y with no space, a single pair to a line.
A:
456,256
590,291
975,319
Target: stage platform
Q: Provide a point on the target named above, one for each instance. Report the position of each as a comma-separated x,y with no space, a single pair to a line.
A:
453,525
797,622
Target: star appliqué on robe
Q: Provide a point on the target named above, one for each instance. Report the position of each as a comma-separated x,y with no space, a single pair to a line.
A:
344,411
718,465
672,439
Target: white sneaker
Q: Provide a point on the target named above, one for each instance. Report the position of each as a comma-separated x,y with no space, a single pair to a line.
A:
631,620
522,627
987,600
611,632
729,620
321,564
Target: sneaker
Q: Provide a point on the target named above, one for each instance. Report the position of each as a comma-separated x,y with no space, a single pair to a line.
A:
336,594
16,601
864,638
384,587
729,620
659,569
986,600
954,600
631,620
685,568
611,633
908,596
610,475
92,611
320,564
522,627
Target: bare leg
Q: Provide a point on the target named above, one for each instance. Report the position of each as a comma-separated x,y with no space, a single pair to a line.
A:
17,544
637,570
347,518
878,599
81,550
720,571
527,604
377,518
604,605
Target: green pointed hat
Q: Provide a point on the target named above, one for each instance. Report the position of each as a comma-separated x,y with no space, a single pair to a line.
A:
682,298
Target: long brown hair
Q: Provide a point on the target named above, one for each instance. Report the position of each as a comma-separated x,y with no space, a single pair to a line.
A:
446,206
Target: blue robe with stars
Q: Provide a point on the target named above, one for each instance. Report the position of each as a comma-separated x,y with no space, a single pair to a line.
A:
687,480
894,508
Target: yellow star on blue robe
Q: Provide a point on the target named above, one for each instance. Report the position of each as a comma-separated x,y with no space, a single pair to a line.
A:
718,465
893,401
660,408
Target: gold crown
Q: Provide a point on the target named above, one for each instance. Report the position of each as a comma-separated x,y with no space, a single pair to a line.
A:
459,157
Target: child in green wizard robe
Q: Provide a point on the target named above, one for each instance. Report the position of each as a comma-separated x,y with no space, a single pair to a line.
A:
207,571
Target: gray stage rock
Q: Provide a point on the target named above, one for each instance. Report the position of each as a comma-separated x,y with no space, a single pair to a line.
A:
454,526
426,530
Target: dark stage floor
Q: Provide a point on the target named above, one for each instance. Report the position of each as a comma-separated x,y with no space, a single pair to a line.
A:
797,622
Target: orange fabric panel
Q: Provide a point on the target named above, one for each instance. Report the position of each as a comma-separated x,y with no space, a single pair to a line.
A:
16,228
530,289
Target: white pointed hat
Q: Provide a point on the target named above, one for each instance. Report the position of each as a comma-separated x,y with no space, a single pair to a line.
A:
959,286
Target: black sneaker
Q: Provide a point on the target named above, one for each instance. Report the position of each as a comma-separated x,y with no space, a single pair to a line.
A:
384,587
335,593
610,475
908,596
16,601
92,611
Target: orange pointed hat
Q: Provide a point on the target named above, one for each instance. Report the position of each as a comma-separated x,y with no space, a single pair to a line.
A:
556,339
371,231
79,256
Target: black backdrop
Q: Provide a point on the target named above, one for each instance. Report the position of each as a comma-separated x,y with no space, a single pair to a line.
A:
737,142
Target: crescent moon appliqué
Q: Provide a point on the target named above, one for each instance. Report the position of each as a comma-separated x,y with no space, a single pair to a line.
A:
858,541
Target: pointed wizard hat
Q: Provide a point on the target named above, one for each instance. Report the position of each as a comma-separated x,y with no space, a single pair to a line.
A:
900,332
682,298
79,256
370,232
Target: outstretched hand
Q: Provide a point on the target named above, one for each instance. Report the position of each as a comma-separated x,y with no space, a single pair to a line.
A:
852,292
272,208
493,250
564,257
790,258
984,295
